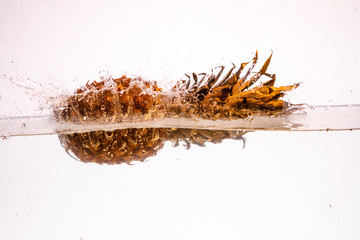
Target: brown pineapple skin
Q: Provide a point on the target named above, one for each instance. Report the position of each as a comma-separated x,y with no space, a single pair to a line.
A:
124,98
111,100
114,147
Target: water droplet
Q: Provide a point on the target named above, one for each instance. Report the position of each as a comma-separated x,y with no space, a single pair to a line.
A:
23,125
5,137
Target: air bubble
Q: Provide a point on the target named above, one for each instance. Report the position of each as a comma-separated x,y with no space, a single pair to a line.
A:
23,125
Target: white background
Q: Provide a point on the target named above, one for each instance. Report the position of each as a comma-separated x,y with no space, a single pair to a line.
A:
280,186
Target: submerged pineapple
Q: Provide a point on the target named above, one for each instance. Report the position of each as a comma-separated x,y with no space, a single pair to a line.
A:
209,97
136,144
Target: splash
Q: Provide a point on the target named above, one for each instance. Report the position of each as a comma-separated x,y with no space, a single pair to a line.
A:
24,96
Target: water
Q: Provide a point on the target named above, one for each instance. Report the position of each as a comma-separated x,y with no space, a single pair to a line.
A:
282,185
282,176
312,118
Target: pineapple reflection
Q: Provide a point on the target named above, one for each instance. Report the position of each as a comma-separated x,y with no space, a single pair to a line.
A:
136,144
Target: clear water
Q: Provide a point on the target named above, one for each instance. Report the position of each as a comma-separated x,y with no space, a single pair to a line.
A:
282,185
